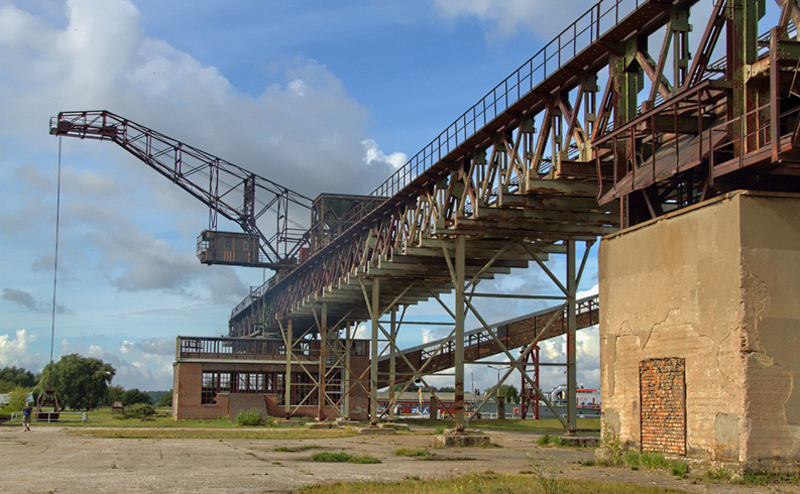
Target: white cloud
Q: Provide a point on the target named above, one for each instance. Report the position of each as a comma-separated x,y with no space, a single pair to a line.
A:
505,18
126,346
148,376
15,351
376,156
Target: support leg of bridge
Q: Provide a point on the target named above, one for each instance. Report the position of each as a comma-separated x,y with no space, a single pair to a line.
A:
373,362
287,380
572,375
460,313
348,346
392,362
323,359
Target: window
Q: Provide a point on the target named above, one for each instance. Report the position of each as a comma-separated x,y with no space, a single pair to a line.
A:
213,383
360,347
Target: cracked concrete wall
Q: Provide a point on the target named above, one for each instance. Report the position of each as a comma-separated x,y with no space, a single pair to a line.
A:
771,331
716,284
671,288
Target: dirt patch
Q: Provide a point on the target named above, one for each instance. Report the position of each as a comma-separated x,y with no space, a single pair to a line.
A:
55,460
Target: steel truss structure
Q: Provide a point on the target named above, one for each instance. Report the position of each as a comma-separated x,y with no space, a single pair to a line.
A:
546,161
228,190
515,178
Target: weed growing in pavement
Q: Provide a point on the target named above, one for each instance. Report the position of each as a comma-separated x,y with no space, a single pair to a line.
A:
413,453
344,458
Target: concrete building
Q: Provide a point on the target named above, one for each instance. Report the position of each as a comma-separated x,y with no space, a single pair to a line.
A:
700,330
217,377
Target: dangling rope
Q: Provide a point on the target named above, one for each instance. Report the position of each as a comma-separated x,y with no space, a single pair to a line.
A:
55,266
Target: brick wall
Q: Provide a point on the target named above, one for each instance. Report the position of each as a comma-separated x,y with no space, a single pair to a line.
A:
662,389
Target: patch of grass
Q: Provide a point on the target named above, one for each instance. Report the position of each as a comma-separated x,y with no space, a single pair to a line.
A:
480,483
551,425
653,461
364,459
720,473
166,433
548,440
413,453
333,457
766,478
295,449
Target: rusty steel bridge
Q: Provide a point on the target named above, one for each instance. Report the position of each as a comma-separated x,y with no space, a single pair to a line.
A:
613,123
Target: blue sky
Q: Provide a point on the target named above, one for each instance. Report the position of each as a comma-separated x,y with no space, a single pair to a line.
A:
318,96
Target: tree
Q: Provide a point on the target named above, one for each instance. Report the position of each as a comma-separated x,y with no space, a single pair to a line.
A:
135,395
17,398
7,386
509,392
81,382
165,400
115,394
18,376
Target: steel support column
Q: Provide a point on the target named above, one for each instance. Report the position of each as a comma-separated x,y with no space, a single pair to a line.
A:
287,380
572,323
375,315
323,353
392,362
460,313
348,347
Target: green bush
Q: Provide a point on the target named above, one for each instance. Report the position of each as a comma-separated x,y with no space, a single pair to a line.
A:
140,410
17,398
249,417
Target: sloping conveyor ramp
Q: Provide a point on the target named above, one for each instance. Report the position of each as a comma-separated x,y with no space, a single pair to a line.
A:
439,355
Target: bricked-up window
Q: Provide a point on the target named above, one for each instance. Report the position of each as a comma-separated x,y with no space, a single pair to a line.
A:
662,391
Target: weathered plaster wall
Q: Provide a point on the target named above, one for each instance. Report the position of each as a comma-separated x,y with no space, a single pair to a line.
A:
718,286
671,288
771,344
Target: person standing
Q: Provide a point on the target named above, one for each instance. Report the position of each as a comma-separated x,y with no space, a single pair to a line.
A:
26,416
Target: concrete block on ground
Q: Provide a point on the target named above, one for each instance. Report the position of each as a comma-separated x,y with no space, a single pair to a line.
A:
373,430
462,439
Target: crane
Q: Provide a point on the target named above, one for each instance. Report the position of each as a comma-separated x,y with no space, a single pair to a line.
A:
215,182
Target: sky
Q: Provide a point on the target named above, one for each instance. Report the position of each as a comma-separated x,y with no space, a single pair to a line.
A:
317,96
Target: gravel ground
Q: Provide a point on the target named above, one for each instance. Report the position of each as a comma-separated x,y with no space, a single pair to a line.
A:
52,459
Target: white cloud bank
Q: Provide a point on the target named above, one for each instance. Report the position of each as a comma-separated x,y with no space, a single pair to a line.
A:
503,19
15,351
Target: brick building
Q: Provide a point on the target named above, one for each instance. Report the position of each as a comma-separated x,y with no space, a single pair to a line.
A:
216,377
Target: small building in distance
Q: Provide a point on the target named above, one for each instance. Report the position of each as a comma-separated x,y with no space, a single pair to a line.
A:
219,377
419,403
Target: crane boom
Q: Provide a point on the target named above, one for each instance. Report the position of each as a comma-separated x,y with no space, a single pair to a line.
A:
215,182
